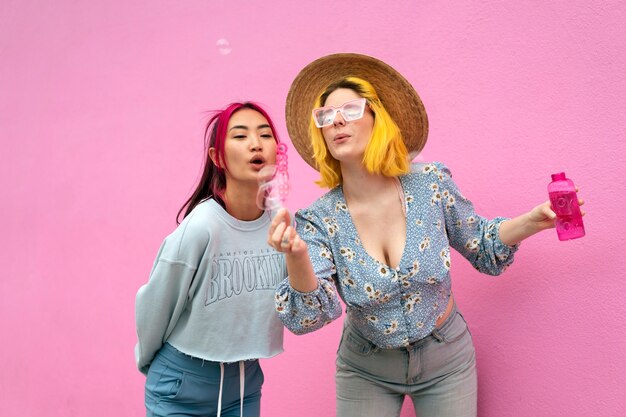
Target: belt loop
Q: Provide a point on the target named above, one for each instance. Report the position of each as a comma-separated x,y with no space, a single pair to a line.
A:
437,335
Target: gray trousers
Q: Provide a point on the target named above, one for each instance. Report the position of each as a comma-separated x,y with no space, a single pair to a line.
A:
437,372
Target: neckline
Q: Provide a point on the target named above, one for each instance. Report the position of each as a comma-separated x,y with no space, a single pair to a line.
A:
234,222
406,231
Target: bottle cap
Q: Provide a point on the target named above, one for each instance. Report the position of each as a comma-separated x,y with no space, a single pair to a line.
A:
558,176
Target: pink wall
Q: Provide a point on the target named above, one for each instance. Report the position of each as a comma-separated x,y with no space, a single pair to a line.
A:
101,113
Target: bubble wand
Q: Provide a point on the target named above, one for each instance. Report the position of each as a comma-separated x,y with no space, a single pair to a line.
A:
274,182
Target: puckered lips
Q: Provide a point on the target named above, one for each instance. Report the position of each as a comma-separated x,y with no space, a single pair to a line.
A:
340,137
257,161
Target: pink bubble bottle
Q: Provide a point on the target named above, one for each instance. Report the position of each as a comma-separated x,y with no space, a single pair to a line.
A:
569,222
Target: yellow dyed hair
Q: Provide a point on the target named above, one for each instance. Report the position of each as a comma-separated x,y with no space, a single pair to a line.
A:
385,153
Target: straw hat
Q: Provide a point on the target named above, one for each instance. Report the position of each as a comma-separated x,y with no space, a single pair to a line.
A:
396,94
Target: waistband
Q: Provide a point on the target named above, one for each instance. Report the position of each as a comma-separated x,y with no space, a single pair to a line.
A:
202,367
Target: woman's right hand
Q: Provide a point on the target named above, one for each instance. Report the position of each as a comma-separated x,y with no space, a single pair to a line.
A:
283,237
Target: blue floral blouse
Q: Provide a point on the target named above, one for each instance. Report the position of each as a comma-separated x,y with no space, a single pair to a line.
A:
391,307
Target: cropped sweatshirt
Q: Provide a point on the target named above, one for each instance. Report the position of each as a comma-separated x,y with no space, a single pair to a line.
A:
211,291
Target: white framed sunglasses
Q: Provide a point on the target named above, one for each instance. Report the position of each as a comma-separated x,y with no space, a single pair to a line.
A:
352,110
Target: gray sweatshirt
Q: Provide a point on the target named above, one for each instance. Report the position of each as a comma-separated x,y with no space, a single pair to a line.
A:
211,291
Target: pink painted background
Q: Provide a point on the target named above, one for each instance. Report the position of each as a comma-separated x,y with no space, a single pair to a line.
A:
101,118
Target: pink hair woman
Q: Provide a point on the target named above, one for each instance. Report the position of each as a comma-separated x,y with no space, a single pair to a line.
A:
205,316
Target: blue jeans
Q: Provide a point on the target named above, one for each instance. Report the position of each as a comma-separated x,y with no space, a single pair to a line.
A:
181,385
437,372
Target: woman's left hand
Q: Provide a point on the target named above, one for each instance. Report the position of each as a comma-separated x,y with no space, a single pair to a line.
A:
543,217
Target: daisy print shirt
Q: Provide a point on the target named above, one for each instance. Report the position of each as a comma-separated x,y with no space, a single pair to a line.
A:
392,307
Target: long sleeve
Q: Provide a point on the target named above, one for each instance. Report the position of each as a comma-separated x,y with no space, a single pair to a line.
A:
158,305
306,312
473,236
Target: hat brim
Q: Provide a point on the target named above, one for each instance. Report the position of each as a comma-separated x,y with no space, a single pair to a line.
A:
396,94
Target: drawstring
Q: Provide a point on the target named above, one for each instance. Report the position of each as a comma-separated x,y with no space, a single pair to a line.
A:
242,384
219,396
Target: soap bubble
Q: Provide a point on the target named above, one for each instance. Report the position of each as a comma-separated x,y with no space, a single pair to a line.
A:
223,46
